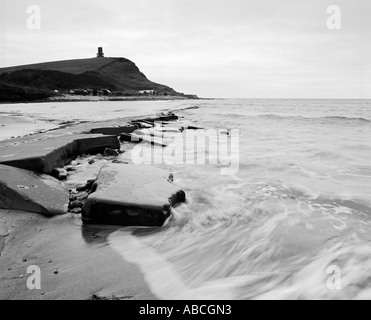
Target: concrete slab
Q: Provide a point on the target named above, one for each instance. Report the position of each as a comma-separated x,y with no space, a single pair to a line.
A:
26,191
43,155
114,130
131,195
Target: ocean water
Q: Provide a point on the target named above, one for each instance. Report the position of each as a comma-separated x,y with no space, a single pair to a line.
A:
294,222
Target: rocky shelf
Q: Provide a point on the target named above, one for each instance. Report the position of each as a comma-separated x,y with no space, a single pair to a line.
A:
122,194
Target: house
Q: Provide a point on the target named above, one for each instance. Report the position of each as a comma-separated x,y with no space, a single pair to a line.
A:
149,92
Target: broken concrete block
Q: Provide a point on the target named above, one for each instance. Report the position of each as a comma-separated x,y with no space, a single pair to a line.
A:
131,195
60,174
26,191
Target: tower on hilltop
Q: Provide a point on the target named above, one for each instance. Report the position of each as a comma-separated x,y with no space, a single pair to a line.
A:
100,53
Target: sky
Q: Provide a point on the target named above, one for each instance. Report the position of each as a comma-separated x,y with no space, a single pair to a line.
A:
212,48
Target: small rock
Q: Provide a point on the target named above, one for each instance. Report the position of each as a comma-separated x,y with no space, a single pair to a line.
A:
110,153
76,204
70,168
193,128
91,161
82,188
56,271
24,260
119,161
76,210
60,174
50,261
82,196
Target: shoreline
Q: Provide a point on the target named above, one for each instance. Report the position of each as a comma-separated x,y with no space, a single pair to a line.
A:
73,98
76,260
18,122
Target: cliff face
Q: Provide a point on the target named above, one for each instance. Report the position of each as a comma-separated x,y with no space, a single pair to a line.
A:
22,83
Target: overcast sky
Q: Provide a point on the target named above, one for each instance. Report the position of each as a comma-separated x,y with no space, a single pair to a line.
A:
213,48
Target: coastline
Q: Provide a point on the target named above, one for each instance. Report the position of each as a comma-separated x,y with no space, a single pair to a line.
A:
74,98
76,260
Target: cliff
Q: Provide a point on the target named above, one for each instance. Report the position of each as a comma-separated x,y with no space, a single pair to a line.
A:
39,81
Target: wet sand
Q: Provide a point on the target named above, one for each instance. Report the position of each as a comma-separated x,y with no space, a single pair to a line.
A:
18,125
76,261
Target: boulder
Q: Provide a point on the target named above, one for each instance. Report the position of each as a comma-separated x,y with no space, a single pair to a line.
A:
131,195
26,191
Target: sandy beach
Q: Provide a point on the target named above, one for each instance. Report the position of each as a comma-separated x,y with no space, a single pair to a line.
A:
16,125
76,261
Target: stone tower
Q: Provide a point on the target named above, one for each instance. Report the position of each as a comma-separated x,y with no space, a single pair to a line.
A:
100,53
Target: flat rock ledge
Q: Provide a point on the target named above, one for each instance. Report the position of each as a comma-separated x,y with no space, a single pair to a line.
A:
47,154
26,191
131,195
122,194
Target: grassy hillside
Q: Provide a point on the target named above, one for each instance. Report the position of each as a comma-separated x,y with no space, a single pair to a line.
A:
116,74
13,93
69,66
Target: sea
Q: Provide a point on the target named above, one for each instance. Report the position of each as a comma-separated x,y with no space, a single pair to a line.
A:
292,222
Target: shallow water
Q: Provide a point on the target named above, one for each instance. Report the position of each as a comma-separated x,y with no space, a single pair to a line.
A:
298,207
